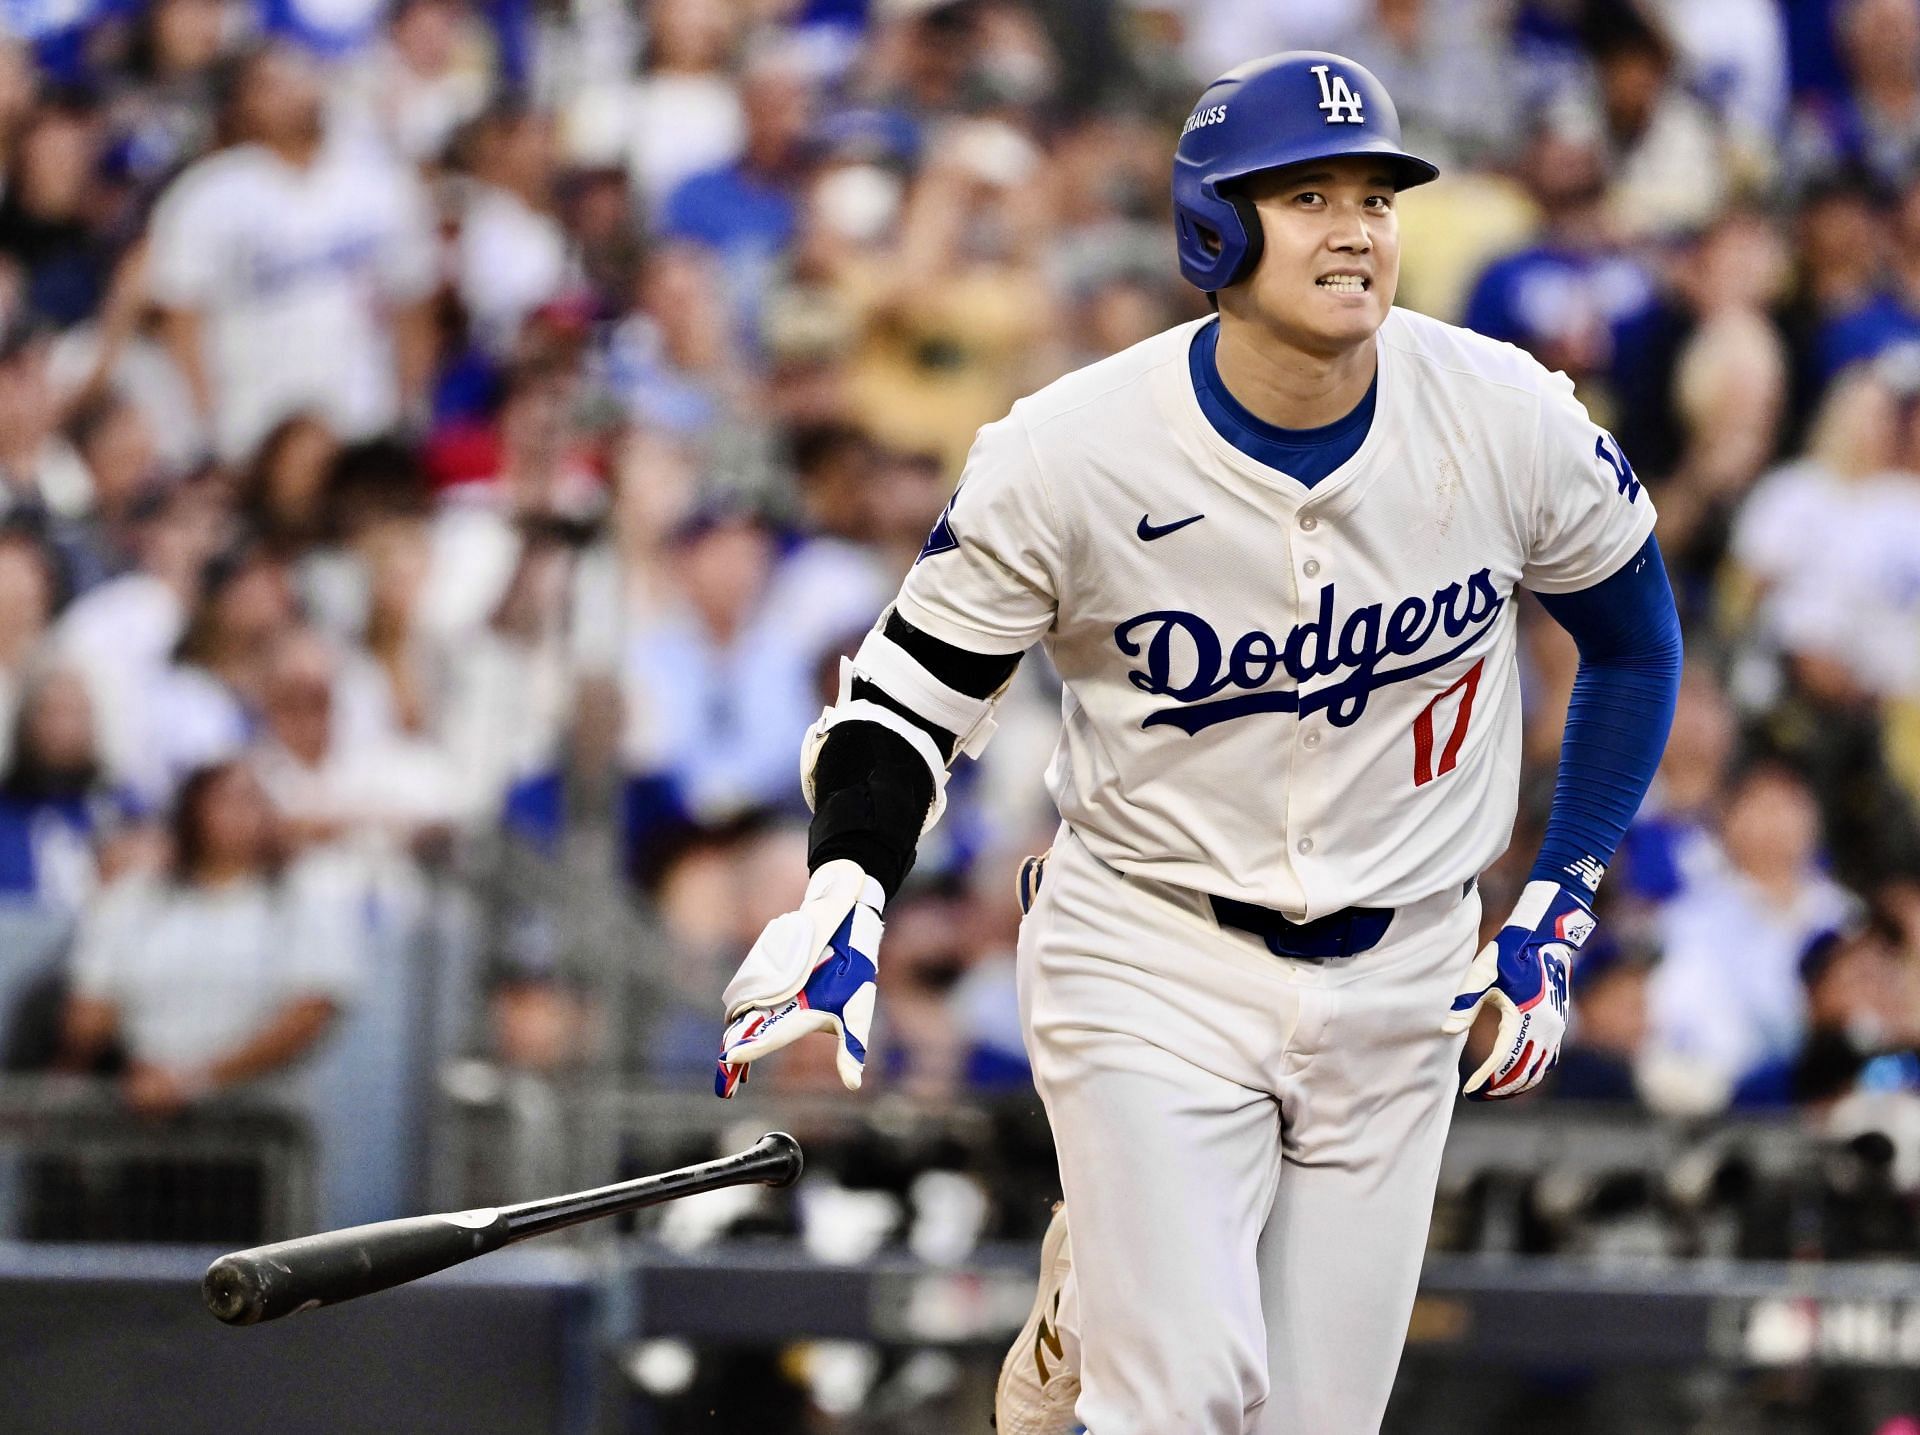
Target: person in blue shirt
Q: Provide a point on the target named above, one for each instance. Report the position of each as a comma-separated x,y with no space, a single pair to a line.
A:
55,804
747,212
1568,297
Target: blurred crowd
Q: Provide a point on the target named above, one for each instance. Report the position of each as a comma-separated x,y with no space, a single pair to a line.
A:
447,445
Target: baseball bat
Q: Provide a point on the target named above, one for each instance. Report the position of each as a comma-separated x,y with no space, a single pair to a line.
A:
267,1282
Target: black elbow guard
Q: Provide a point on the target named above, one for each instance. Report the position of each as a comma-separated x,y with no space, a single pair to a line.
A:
871,795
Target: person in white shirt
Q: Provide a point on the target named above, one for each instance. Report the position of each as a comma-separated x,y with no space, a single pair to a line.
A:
1831,541
122,635
41,478
514,253
680,116
294,268
424,80
224,973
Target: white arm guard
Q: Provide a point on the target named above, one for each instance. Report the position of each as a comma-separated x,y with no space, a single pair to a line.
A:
899,674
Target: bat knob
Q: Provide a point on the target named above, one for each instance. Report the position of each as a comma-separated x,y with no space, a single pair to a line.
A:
233,1291
783,1146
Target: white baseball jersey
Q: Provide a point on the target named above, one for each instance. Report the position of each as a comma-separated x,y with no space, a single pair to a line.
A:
296,272
1302,698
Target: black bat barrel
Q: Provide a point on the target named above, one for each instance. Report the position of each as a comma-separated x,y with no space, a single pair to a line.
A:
271,1281
268,1282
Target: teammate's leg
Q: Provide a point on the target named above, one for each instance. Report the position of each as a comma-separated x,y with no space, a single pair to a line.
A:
1368,1101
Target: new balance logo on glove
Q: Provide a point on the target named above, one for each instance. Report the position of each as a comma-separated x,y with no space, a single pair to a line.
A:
1523,973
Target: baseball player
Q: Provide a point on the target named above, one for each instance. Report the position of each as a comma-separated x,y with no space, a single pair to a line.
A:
1274,555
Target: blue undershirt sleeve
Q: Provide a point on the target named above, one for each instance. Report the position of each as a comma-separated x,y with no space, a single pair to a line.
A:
1628,634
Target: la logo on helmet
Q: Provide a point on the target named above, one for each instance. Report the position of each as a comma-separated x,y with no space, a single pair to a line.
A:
1338,99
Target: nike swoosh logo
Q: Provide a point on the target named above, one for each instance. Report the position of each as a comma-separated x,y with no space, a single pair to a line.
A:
1148,531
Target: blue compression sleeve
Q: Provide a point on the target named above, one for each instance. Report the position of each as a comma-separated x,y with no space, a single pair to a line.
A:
1628,633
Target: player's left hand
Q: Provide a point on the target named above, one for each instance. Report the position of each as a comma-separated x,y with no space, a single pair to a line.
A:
1522,974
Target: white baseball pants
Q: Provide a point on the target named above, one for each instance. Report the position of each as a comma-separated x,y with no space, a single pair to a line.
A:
1248,1145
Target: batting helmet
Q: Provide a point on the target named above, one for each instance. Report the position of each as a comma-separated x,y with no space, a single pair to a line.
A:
1300,105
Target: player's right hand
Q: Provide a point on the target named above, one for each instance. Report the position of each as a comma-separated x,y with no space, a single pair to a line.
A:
1522,974
813,969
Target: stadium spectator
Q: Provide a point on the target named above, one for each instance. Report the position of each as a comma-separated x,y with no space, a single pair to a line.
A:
707,884
1670,170
423,80
1887,321
56,810
294,266
202,707
680,115
1723,1006
224,973
1831,542
531,467
1605,1043
113,439
717,687
282,491
673,361
42,480
1840,248
959,319
830,578
747,212
511,692
44,219
19,87
382,793
1444,62
160,113
1863,1022
513,256
1874,124
28,592
122,634
1734,55
1671,842
1727,392
1568,296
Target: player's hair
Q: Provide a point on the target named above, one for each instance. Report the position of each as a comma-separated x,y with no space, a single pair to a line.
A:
187,828
1842,437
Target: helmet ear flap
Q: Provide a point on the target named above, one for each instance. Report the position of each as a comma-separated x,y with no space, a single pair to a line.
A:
1256,239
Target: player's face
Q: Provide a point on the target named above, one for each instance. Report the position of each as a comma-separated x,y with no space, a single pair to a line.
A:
1331,259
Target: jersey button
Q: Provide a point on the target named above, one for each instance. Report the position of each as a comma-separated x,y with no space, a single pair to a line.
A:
1304,845
1308,522
1312,739
1310,567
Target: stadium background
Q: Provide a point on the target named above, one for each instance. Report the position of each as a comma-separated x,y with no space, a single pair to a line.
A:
445,446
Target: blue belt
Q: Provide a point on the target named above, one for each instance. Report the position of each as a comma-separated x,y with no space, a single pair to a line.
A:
1345,933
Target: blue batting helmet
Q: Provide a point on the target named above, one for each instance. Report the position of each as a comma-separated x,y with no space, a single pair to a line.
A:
1287,108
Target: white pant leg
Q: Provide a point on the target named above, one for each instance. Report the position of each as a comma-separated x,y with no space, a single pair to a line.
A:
1168,1182
1151,1040
1163,1048
1369,1095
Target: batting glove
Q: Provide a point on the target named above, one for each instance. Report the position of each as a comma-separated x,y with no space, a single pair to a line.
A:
811,970
1522,972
